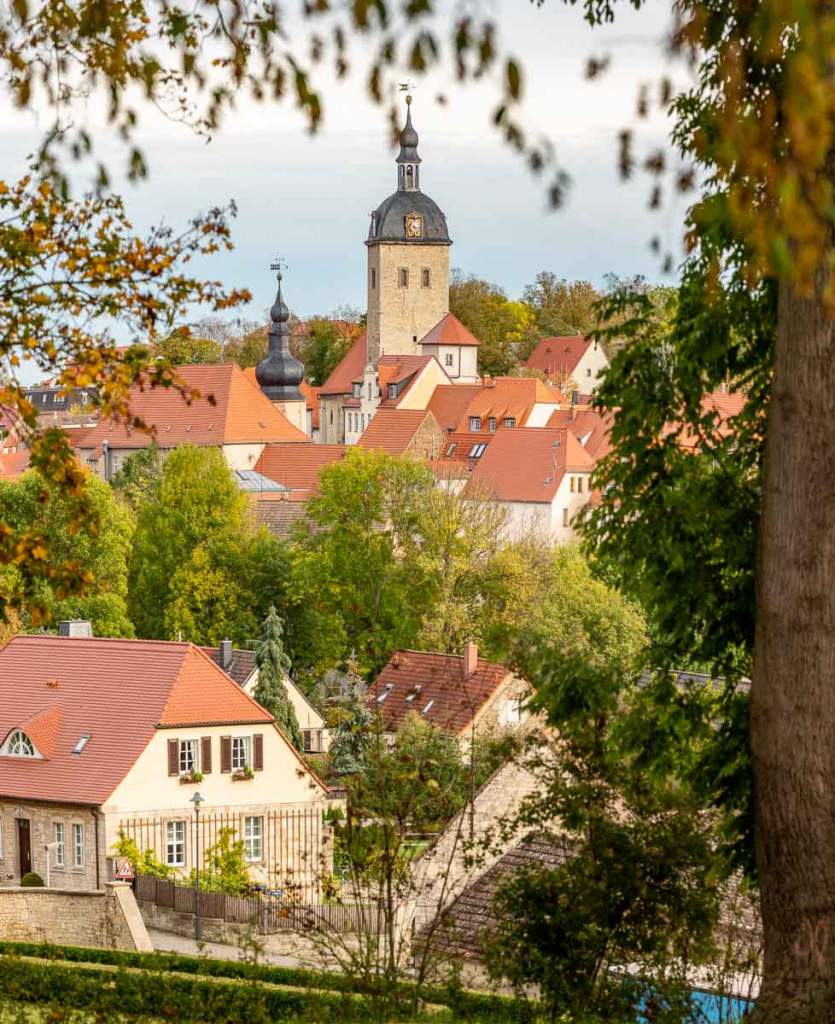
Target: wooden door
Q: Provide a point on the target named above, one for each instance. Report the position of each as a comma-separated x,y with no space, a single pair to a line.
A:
24,846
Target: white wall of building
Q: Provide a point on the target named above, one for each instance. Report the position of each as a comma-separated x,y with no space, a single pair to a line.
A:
591,368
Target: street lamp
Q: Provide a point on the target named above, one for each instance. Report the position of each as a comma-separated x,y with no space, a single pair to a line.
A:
197,800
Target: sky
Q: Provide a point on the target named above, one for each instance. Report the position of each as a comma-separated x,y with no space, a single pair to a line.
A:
309,198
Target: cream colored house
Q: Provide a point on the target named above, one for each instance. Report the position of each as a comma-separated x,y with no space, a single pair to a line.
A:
242,667
104,737
540,476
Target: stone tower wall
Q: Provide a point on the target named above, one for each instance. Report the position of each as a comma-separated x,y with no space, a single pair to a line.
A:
396,315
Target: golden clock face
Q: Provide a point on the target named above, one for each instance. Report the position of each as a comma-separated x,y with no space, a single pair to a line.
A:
414,225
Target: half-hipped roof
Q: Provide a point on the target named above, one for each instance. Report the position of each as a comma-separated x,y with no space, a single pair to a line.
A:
116,692
230,410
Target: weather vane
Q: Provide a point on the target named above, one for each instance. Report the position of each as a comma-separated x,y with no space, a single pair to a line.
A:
280,265
408,87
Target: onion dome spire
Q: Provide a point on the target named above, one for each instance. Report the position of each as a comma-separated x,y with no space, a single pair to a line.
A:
280,373
408,161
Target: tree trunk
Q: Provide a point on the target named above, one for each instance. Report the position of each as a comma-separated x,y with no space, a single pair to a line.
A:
793,692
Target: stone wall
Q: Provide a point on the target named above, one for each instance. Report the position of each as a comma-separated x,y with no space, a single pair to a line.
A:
428,442
306,951
107,918
42,819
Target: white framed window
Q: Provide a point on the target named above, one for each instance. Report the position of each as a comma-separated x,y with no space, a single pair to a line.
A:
491,424
571,484
60,844
19,745
188,756
448,359
565,517
240,753
579,485
254,837
510,421
513,711
175,847
475,423
77,845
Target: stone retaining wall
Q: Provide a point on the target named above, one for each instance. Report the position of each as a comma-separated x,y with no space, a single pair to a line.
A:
108,918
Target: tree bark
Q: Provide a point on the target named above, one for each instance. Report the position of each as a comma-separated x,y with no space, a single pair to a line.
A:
793,691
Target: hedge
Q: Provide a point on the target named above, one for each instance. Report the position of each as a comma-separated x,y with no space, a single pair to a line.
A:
467,1005
169,995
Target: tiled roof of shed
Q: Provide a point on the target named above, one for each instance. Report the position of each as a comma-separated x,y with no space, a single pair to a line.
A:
433,686
298,466
117,692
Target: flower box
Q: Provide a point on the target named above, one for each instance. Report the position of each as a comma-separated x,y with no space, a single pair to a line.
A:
191,778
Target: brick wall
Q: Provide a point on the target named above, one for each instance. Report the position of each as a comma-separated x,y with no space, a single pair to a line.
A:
107,919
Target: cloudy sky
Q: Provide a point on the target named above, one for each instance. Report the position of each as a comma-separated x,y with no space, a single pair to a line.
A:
309,198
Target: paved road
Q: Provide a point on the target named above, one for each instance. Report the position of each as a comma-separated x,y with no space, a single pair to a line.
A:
169,943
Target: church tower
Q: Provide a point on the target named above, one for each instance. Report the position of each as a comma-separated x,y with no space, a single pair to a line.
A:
280,373
408,260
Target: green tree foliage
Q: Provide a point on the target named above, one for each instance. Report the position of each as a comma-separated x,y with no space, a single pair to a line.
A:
247,349
354,582
38,507
635,877
182,347
199,570
273,668
144,862
325,344
506,329
560,306
352,726
138,476
224,866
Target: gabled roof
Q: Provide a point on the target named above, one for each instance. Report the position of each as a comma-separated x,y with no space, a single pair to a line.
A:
589,426
116,691
449,331
558,357
528,464
241,414
348,369
394,430
402,370
298,466
449,402
241,666
502,397
434,687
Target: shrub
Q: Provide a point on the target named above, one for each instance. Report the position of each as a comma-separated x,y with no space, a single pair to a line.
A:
32,880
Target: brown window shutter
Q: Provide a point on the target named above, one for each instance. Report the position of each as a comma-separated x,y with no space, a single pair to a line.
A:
226,753
173,757
258,755
206,755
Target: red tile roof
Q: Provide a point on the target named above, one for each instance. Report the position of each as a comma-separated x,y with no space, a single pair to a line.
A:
528,464
117,692
440,694
449,402
348,369
399,369
14,464
394,430
241,413
449,331
298,465
558,357
501,397
591,427
464,442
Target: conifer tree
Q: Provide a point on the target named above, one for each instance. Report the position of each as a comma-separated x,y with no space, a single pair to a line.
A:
273,665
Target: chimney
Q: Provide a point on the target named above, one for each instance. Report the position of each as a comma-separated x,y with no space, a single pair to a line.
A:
225,654
75,627
470,659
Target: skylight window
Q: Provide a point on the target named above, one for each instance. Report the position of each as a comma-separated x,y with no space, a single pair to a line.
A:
451,448
83,740
428,706
413,693
477,451
385,693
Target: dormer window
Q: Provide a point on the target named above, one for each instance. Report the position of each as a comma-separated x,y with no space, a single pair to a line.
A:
510,421
19,745
475,424
392,391
491,424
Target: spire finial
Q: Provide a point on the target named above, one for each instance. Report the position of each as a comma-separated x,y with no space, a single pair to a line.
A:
279,313
280,373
